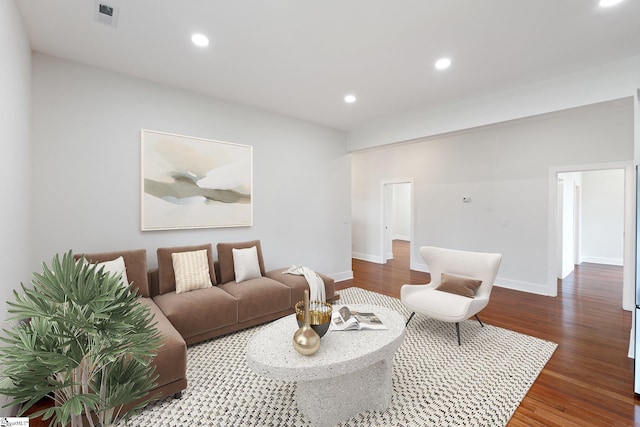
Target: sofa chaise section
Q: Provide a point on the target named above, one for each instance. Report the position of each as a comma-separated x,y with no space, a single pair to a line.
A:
171,360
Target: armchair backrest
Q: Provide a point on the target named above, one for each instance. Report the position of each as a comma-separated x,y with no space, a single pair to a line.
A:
474,265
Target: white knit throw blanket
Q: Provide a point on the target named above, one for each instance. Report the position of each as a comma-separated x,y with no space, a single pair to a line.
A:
316,284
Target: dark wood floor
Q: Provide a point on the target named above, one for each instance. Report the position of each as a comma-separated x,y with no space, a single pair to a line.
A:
589,379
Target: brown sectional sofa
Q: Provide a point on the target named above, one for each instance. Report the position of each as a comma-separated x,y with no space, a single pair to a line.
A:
194,316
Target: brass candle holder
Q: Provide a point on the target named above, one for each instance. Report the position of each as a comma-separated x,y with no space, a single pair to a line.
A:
319,315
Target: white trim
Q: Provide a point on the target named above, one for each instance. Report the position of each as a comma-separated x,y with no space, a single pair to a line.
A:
631,354
629,252
340,277
366,257
419,266
601,260
534,288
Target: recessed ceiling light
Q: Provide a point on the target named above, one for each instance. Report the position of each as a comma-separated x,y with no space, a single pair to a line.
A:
350,99
443,63
200,40
608,3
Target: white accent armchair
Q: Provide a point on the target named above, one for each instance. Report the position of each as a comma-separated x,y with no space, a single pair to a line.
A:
457,266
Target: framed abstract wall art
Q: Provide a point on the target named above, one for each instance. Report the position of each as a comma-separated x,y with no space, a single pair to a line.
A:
192,182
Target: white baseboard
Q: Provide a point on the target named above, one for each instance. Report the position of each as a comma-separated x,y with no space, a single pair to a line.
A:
602,260
517,285
389,255
419,266
339,277
366,257
401,237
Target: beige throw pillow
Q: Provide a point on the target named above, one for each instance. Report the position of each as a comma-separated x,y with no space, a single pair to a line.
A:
245,264
459,285
191,270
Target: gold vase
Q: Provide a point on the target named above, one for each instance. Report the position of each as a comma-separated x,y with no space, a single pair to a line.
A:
306,341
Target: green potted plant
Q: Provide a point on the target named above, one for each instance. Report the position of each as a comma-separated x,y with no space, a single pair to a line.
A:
81,339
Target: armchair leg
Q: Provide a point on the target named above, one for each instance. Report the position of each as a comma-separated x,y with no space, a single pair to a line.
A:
409,320
458,332
480,321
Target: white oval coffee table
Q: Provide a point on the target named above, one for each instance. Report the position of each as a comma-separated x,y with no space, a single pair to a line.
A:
350,373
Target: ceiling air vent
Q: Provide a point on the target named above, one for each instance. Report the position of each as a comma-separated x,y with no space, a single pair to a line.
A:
105,13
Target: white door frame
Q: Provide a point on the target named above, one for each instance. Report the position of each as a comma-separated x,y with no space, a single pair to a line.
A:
628,281
383,183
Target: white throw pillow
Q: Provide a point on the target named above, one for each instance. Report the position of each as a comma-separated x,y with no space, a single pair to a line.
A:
245,264
115,267
191,270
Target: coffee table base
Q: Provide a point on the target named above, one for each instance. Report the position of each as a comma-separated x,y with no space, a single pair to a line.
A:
327,402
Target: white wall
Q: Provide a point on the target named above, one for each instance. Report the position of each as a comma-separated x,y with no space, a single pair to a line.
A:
86,169
603,217
15,81
504,168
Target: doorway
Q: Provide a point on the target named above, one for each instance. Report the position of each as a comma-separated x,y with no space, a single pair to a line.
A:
593,221
397,218
591,212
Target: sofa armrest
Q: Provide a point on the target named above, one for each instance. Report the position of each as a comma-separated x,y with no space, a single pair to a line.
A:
298,284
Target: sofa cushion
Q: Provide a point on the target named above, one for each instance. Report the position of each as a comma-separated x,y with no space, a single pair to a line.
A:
225,258
245,264
191,270
259,297
166,274
298,284
199,311
171,360
135,262
115,267
459,285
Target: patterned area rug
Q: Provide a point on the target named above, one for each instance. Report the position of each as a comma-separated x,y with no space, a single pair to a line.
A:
436,382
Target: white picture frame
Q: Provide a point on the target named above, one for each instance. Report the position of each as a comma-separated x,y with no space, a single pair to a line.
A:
190,182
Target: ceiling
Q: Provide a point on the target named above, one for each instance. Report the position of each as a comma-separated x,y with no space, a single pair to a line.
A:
300,58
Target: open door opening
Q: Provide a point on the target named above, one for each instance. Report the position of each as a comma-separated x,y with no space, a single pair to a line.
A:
397,214
593,219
